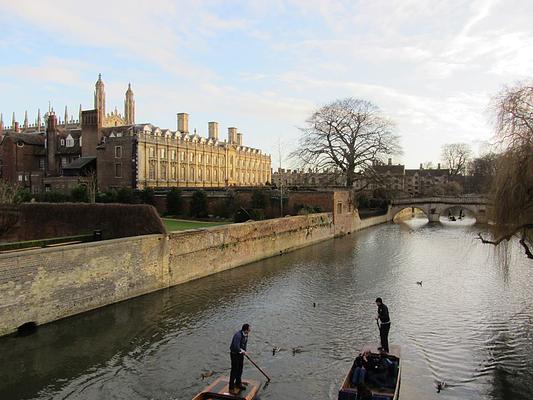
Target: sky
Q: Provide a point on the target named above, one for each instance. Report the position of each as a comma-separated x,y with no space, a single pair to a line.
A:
265,65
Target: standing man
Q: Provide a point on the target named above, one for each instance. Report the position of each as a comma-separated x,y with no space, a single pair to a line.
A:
237,351
384,326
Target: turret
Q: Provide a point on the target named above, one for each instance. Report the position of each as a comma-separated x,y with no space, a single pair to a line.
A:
39,123
129,106
99,98
66,117
1,124
26,124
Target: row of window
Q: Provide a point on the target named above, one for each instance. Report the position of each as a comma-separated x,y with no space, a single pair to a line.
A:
198,174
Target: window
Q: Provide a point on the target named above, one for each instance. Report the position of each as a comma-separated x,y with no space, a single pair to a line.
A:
200,158
118,170
173,172
182,173
199,174
173,155
64,162
151,171
163,153
21,177
151,152
80,141
339,208
118,151
191,157
207,159
70,141
41,164
191,174
182,155
62,142
163,171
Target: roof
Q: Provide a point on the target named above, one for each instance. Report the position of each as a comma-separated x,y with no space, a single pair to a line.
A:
79,163
392,169
35,139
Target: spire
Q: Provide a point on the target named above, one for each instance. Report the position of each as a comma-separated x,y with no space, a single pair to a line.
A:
39,118
13,120
79,115
99,98
129,106
1,122
26,119
66,116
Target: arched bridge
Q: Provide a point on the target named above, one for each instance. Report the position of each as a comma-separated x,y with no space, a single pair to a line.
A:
434,207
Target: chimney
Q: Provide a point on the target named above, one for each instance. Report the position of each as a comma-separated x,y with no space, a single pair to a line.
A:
17,127
213,130
390,161
239,139
438,166
91,134
183,122
232,135
51,144
421,166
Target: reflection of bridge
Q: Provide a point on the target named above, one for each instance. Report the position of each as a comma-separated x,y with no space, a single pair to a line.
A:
434,207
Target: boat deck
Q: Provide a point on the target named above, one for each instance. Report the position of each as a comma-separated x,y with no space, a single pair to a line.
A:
219,389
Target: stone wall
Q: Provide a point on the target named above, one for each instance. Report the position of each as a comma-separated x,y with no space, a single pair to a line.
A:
47,284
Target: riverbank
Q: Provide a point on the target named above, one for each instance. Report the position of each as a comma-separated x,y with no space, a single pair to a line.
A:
43,285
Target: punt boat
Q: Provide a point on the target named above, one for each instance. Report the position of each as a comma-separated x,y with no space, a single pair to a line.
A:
389,386
219,390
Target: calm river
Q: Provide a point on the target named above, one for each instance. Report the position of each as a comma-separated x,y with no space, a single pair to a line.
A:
470,324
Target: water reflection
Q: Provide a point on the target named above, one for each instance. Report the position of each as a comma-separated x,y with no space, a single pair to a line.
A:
469,324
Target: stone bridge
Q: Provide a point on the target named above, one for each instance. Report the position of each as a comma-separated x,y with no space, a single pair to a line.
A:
434,207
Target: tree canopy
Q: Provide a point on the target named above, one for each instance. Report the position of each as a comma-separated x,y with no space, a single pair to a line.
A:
348,134
512,192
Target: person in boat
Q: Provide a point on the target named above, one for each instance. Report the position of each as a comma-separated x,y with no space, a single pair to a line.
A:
384,326
379,370
360,366
237,352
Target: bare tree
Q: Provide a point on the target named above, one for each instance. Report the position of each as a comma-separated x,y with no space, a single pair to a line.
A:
512,192
348,134
456,157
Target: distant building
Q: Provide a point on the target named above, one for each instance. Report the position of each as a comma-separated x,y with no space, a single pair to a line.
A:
120,153
309,178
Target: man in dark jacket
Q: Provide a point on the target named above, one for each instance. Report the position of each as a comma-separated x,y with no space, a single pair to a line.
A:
384,326
237,351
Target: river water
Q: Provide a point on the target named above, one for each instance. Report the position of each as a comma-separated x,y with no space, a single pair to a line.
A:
469,324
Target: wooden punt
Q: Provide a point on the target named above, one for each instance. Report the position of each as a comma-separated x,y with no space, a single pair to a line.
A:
219,389
389,392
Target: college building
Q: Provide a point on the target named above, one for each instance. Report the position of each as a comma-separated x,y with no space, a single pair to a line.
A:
115,152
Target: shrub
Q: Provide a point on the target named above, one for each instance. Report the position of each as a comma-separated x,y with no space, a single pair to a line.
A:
53,197
174,202
79,194
147,196
125,195
199,204
259,199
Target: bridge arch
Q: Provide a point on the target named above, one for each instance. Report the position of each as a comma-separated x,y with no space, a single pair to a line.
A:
395,212
472,210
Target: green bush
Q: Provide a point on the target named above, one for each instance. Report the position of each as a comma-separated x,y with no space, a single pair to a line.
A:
174,202
79,194
125,195
259,199
53,197
147,196
199,204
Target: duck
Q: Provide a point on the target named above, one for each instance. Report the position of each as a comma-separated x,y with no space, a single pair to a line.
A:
296,350
419,283
207,374
440,386
275,350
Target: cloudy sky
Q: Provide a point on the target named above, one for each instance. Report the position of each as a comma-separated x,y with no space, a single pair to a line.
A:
264,65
